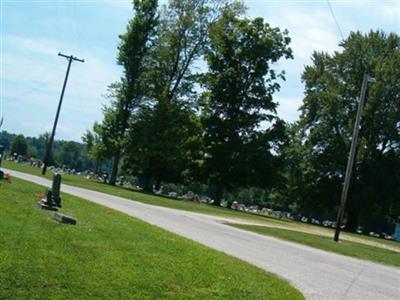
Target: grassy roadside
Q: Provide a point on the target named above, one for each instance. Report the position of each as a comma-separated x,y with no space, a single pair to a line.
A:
111,255
79,181
232,216
347,248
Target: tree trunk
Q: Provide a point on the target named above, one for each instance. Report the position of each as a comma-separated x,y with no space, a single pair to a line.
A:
219,191
96,166
352,220
146,183
157,184
114,171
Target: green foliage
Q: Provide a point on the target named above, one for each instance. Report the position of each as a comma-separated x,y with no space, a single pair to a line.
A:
72,155
248,196
164,142
242,131
19,145
31,152
318,152
135,43
95,147
127,95
147,198
165,131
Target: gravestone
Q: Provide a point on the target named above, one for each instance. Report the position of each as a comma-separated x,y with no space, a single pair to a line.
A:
53,199
56,189
60,218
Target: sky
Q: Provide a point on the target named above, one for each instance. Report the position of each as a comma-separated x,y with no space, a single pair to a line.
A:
34,32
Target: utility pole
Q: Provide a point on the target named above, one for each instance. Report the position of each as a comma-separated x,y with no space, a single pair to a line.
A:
47,157
352,154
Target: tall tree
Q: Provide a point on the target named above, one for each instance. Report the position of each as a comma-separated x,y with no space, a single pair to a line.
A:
165,126
242,130
70,155
332,88
128,93
95,147
168,155
19,145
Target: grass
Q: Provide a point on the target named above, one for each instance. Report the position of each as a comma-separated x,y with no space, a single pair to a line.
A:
347,248
82,182
110,255
233,216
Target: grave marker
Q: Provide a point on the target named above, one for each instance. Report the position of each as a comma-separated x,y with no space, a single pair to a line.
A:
53,199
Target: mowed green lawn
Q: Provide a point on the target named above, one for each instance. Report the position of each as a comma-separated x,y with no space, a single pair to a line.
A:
110,255
361,246
347,248
82,182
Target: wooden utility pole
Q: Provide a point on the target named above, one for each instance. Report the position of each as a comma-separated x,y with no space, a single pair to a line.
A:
47,157
352,154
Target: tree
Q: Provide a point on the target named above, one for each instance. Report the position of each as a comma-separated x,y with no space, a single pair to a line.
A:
242,131
332,88
155,159
6,139
31,152
165,124
114,126
70,155
19,145
127,94
94,146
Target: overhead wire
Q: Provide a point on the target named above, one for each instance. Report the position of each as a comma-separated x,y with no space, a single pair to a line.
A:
335,19
75,29
57,28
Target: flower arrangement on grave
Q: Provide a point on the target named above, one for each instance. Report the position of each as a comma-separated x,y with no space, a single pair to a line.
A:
7,177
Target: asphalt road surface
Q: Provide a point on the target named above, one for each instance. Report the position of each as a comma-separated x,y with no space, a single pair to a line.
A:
316,273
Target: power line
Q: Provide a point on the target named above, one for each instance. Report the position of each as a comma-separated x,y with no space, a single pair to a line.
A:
334,18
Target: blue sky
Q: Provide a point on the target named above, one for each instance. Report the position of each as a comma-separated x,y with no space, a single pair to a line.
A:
33,32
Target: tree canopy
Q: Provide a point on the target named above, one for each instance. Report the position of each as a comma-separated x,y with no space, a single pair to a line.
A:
19,145
241,128
332,88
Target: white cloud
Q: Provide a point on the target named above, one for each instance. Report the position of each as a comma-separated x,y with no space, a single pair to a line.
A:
38,46
390,10
33,64
309,32
288,107
33,73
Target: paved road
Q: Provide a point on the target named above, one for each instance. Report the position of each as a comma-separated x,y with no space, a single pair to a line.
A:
317,274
